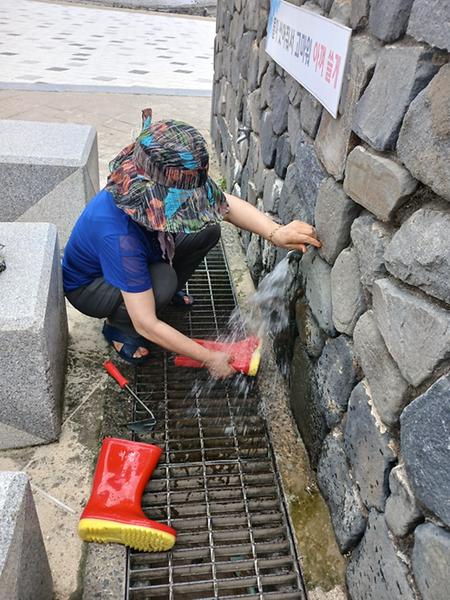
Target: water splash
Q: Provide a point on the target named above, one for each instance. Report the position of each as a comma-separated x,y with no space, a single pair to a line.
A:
268,311
266,316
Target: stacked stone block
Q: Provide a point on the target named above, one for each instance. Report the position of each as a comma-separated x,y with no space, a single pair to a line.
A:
49,171
370,383
24,568
33,335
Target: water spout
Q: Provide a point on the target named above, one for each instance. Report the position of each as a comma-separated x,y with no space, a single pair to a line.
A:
294,256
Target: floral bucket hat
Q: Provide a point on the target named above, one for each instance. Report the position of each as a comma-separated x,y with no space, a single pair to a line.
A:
161,181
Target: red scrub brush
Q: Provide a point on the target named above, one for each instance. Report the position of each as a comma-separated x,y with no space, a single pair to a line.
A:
245,355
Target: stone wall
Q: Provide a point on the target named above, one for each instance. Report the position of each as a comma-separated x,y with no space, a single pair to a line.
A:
370,382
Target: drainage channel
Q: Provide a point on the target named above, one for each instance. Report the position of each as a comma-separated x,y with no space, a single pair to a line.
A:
216,483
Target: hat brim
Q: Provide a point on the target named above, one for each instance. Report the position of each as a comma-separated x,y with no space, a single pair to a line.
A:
169,209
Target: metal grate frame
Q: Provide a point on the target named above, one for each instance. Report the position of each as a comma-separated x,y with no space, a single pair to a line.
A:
216,483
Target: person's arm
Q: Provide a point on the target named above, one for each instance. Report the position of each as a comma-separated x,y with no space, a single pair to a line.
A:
141,308
293,236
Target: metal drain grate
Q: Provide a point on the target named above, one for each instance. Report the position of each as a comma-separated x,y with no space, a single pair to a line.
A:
216,483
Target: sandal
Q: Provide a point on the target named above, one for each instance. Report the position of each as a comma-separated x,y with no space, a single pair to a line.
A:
182,298
130,344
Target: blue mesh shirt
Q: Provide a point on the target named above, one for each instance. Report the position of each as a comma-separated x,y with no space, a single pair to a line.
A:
105,242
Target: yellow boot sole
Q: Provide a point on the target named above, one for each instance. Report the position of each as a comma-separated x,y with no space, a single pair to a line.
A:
145,539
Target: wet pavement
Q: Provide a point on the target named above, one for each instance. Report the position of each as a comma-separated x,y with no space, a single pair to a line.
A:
46,46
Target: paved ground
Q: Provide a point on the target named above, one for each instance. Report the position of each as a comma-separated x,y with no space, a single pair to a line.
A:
63,46
116,117
61,472
188,7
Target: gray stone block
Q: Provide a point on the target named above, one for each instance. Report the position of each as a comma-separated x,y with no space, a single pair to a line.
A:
33,335
55,207
310,113
225,135
267,84
340,11
263,62
309,332
236,191
389,18
268,139
254,101
335,213
319,10
283,155
251,14
333,143
417,256
25,184
388,388
24,568
305,407
429,22
335,138
335,375
348,513
431,561
424,426
347,296
325,4
376,182
310,172
363,54
376,570
272,192
260,176
291,204
252,75
263,20
359,13
402,511
254,257
254,157
424,143
369,448
48,171
400,74
280,104
294,90
244,46
316,274
416,332
294,127
233,68
370,238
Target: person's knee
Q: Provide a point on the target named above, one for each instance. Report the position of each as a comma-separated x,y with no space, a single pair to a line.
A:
212,235
164,279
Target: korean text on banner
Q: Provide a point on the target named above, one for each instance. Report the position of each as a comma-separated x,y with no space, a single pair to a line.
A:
311,48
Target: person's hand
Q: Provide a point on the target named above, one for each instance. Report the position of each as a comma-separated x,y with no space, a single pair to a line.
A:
218,365
296,235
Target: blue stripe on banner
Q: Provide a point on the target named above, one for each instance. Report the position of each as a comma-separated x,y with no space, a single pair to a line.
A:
274,6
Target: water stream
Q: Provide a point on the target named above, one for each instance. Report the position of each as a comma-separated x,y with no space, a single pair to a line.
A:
266,316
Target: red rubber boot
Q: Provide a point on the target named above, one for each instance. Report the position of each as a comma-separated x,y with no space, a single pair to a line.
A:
113,512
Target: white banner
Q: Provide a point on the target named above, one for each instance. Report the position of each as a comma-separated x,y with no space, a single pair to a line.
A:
311,48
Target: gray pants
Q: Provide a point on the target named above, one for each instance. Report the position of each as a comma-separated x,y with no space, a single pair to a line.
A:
102,300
